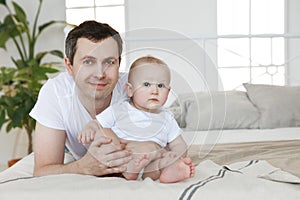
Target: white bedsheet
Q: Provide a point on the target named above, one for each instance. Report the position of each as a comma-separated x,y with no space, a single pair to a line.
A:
245,180
241,135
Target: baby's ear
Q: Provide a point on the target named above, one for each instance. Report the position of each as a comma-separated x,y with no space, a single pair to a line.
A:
129,89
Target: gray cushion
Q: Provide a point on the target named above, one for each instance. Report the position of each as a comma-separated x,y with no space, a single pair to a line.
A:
279,106
215,110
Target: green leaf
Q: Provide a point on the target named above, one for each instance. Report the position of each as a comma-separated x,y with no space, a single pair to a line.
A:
3,2
12,27
9,29
2,117
40,72
41,55
57,53
45,25
19,63
20,15
9,127
7,101
4,36
18,116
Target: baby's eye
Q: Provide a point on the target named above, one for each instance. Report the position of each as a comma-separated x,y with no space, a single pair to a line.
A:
146,84
160,85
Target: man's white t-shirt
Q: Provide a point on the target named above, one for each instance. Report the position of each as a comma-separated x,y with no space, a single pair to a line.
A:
58,107
130,123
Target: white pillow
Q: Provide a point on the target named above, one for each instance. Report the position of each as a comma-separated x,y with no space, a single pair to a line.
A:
279,106
216,110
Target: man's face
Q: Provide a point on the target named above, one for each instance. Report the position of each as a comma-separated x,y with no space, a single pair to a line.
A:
95,68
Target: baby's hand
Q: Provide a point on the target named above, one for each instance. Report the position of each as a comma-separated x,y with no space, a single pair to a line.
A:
87,135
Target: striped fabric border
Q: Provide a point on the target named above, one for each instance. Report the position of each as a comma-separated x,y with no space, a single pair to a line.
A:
190,191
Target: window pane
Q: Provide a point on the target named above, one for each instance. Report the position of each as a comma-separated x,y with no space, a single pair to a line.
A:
77,16
233,52
278,51
108,2
234,78
233,17
114,16
267,16
271,75
261,51
79,3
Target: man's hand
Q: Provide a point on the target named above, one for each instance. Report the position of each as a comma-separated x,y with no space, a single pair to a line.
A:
103,157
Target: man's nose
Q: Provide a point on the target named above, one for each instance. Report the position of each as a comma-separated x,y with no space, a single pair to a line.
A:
100,71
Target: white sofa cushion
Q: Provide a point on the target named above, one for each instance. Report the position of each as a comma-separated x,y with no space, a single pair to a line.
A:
279,106
215,110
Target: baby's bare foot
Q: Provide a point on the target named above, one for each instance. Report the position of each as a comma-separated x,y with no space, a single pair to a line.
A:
167,159
180,170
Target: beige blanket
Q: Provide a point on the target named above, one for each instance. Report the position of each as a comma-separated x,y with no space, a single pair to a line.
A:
282,154
219,175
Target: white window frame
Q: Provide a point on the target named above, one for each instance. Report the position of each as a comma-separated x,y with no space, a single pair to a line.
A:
251,66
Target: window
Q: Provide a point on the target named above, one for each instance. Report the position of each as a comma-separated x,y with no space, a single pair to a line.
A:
251,43
106,11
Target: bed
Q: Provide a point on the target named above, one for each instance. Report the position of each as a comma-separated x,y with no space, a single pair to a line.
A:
242,147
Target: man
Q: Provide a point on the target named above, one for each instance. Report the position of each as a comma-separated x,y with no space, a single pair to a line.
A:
67,102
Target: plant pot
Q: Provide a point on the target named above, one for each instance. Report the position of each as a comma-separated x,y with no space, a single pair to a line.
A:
13,161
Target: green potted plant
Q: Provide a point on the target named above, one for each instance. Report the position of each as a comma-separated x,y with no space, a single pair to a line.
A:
20,84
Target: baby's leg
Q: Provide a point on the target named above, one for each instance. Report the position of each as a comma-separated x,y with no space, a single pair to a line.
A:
143,154
153,170
180,170
107,132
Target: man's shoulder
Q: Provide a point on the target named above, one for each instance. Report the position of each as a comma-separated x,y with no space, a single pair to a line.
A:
62,84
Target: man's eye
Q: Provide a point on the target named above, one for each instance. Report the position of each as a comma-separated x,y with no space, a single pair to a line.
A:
87,62
110,62
160,85
146,84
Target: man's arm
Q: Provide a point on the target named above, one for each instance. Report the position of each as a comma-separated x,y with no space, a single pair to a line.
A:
49,150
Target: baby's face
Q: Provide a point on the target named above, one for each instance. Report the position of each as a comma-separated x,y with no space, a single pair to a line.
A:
150,86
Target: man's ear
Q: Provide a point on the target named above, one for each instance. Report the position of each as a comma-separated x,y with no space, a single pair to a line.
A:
68,66
129,89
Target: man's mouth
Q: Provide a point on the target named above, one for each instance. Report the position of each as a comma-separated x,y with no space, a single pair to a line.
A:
99,85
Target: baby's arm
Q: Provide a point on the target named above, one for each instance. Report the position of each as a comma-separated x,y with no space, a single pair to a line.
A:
92,129
178,146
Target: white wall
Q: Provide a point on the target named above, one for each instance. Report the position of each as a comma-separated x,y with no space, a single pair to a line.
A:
167,29
293,53
14,144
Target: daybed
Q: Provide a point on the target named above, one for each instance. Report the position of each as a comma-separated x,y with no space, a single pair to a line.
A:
246,146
